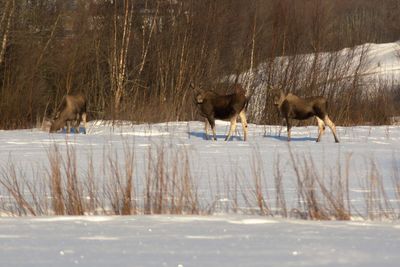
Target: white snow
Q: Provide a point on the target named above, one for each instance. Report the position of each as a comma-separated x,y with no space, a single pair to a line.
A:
217,168
218,240
196,241
214,165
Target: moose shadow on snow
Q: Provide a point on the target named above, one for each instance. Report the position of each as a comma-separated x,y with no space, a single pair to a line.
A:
293,139
202,135
81,130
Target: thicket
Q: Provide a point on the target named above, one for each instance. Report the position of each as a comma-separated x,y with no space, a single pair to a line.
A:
136,59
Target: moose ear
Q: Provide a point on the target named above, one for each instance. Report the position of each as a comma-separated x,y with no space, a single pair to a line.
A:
195,89
198,90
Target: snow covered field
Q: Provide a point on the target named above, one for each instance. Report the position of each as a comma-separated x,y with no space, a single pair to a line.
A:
363,152
225,238
255,197
195,241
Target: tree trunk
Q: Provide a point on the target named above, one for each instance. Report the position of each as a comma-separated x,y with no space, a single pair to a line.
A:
120,53
6,33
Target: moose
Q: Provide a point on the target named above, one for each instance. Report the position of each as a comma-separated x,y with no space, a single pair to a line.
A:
291,106
212,105
72,110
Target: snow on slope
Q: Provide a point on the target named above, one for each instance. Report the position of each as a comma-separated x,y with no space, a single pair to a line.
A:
379,61
383,60
375,65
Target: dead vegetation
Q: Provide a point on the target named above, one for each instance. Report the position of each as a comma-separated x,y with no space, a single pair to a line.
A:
164,186
132,58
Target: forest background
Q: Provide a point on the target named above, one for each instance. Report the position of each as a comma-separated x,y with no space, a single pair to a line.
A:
135,59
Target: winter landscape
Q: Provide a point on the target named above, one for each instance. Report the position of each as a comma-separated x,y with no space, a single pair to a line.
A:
144,185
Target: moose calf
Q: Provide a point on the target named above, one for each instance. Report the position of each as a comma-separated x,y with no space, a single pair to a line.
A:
294,107
213,106
72,109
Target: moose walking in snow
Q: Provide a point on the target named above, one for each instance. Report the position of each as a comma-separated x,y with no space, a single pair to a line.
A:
291,106
213,106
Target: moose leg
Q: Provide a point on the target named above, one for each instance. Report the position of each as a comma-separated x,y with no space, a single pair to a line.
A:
332,126
232,127
68,126
211,120
283,122
243,120
206,124
321,128
289,136
84,119
77,123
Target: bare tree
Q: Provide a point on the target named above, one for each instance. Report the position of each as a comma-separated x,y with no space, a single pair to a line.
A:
146,53
5,25
119,50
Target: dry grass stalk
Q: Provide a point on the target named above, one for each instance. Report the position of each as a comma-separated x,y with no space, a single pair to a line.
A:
56,191
119,187
257,171
280,201
319,201
74,202
168,184
91,189
14,185
376,198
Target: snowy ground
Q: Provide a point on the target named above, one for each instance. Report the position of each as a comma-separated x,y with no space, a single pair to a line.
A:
362,152
195,241
224,239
